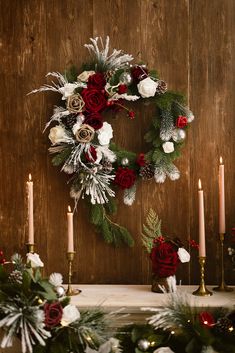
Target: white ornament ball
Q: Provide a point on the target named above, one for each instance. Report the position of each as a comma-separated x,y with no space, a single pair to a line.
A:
125,162
178,135
60,291
143,344
126,78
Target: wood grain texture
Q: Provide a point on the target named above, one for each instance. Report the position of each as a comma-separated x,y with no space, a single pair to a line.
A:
175,37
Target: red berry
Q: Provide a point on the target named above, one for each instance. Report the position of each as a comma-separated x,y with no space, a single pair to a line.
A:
131,114
109,103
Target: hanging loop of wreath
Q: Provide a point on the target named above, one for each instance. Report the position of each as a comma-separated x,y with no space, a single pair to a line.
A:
81,139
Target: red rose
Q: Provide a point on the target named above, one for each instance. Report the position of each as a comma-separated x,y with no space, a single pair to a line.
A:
181,121
94,99
139,73
96,81
53,314
94,120
125,177
140,160
122,89
206,319
164,260
93,155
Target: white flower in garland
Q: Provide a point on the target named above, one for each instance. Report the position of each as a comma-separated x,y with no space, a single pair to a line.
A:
168,147
56,279
34,260
183,255
70,314
84,76
67,90
147,87
105,134
58,134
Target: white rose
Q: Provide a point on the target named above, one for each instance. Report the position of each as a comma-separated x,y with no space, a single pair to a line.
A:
183,255
56,279
67,90
168,147
105,134
70,314
57,134
85,75
147,87
34,260
163,350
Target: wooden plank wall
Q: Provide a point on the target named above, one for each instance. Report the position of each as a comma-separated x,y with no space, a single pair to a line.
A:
191,44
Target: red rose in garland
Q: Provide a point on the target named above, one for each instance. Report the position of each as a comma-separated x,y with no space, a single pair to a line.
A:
206,319
181,121
94,99
164,260
139,73
53,314
97,81
94,120
125,178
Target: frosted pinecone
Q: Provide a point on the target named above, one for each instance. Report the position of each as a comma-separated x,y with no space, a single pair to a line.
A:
162,87
107,167
147,172
223,324
69,121
15,277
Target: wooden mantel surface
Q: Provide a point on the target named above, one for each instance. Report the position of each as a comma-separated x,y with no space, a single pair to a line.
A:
134,297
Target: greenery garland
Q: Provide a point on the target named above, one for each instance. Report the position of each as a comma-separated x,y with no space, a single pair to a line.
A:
81,139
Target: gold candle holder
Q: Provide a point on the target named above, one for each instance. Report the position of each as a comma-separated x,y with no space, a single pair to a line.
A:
30,247
222,287
70,291
202,290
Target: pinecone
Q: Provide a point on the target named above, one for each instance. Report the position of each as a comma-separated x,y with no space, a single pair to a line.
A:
109,74
147,172
223,325
69,120
15,277
107,167
162,87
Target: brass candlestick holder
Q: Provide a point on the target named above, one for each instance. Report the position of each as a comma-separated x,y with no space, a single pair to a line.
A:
222,287
202,290
30,247
70,291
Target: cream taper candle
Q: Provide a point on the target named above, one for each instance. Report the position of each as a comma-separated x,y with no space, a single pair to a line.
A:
30,210
202,241
70,230
221,198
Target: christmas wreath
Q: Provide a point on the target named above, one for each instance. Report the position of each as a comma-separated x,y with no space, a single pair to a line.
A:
81,139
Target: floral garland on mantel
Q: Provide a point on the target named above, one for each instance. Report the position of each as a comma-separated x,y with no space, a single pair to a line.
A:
81,139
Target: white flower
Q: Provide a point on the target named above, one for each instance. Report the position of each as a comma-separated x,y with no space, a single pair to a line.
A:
56,279
105,134
147,87
68,90
34,260
168,147
163,350
112,345
85,75
76,126
183,255
57,135
70,314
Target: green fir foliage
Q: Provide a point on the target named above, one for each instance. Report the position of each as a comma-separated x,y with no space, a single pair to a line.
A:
61,157
71,74
151,230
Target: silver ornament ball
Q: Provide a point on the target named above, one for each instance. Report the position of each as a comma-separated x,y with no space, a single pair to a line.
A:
60,291
125,162
143,344
126,78
178,135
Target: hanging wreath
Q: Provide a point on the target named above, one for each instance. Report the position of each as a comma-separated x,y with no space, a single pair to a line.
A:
81,139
